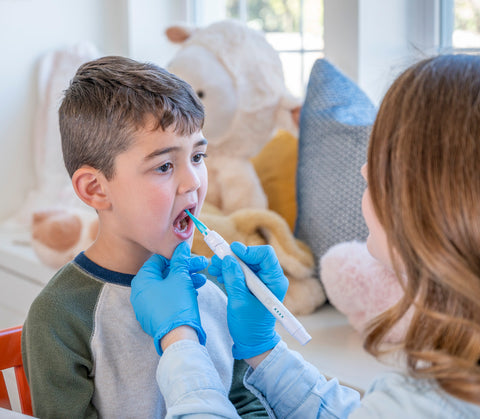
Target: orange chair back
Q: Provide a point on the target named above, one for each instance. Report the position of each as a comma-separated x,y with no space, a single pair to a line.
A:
11,357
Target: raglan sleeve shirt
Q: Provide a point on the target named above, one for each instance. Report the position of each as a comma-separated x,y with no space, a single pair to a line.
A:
56,352
83,349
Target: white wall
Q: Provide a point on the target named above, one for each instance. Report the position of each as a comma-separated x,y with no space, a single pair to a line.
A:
29,29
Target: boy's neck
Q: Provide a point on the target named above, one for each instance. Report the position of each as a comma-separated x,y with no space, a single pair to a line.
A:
110,255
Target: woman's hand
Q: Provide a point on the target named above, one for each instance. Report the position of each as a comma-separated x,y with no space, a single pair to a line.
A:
164,294
251,325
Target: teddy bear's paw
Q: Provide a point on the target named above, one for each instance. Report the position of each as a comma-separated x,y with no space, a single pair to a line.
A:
56,229
304,296
58,235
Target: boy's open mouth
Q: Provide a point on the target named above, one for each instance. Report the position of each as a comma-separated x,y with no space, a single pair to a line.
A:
182,221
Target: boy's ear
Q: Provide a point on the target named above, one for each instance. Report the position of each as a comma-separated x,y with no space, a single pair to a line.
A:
90,186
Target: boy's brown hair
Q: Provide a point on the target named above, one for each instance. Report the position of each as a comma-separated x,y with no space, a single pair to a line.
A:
110,99
424,181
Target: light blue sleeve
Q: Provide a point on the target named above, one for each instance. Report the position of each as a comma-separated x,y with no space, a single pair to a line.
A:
190,383
293,388
287,385
397,396
290,387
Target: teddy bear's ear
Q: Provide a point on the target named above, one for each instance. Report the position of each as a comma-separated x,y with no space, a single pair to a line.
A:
295,112
288,116
179,33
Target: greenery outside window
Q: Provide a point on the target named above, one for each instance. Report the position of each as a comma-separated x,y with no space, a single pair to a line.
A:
460,26
293,27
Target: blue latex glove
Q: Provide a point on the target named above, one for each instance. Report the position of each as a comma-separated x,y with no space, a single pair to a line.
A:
251,325
164,293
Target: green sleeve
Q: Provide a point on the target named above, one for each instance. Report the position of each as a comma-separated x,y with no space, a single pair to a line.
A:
55,347
246,403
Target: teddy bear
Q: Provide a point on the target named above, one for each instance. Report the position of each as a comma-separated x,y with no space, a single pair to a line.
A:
252,127
239,78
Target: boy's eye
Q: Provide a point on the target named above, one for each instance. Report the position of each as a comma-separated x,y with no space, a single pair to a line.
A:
164,167
197,158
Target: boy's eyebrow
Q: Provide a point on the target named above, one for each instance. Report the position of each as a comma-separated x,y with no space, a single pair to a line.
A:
166,150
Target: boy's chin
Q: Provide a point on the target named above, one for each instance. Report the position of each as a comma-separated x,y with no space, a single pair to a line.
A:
169,253
190,242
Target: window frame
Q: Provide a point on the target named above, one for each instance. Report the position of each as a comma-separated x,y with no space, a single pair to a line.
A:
372,41
302,51
447,24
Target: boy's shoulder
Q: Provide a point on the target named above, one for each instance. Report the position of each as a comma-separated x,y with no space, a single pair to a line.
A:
70,279
71,293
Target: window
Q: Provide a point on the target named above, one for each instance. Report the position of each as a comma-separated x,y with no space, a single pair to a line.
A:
293,27
460,25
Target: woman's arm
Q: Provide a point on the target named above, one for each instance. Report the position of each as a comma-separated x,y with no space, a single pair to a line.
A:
287,385
293,388
190,384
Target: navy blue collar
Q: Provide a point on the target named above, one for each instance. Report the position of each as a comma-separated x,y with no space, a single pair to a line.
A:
102,273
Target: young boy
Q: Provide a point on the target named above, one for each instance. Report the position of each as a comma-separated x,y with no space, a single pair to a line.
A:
133,146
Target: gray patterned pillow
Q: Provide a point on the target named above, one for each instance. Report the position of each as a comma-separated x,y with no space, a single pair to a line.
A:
335,124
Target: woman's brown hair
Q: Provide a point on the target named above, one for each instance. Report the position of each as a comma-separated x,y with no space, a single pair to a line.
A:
424,181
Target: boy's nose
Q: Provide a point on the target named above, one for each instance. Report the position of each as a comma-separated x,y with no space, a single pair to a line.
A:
190,181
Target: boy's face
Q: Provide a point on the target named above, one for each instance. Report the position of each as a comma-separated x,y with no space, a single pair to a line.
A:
155,180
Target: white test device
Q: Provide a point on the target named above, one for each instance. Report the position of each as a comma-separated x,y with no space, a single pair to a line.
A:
221,248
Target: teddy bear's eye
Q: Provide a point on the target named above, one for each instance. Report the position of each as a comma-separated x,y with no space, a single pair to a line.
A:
200,94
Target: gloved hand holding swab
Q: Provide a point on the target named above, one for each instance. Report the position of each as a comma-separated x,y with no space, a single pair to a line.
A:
221,248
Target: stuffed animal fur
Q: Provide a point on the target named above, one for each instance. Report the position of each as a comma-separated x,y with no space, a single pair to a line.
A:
59,235
239,78
360,287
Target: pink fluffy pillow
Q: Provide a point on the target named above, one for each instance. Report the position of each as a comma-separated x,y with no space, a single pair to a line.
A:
360,287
